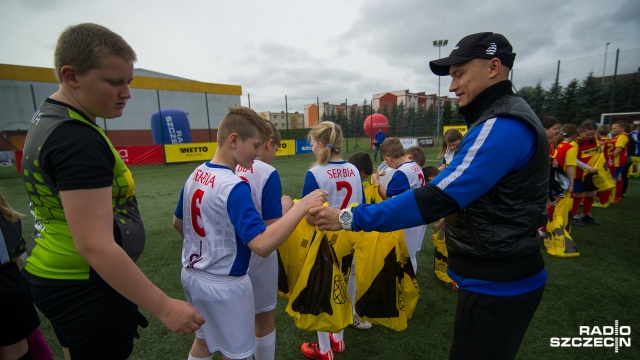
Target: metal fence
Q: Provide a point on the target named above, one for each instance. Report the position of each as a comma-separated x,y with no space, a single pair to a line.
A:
571,89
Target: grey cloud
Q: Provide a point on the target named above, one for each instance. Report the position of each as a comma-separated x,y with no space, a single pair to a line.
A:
276,52
44,5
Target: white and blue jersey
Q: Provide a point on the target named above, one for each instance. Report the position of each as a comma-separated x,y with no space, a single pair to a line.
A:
448,156
219,219
266,189
409,175
340,178
388,173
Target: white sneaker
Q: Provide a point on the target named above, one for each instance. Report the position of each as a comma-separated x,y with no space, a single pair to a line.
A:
360,323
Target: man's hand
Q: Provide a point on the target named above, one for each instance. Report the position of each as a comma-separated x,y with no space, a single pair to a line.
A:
326,218
180,317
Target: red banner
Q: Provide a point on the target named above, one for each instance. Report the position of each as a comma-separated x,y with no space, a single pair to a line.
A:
131,155
138,155
18,155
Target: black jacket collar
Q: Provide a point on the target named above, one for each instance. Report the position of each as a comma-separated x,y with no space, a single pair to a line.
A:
472,111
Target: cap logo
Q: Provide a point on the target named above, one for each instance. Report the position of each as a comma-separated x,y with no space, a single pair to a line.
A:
491,49
456,48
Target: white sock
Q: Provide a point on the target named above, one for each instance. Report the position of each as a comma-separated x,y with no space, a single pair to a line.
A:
324,341
414,263
265,347
338,336
351,289
191,357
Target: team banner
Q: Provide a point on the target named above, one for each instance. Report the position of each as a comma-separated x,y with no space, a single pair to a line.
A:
190,152
558,241
291,256
10,162
387,288
634,169
461,128
314,268
287,147
320,301
426,142
303,146
440,257
138,155
407,143
600,180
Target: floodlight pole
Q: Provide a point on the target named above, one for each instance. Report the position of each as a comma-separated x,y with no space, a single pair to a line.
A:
606,47
439,44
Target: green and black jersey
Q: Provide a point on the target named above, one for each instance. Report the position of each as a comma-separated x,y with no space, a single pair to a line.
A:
66,151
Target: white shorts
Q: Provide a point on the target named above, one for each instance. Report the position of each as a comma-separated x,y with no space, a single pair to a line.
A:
263,273
226,303
412,237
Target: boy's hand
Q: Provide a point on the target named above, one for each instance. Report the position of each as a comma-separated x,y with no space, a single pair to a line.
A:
315,198
287,203
326,218
375,178
180,317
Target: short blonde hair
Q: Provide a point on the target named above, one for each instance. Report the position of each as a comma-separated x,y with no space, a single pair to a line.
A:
84,46
244,122
330,134
274,134
392,147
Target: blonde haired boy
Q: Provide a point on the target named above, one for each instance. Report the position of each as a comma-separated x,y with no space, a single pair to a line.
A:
221,228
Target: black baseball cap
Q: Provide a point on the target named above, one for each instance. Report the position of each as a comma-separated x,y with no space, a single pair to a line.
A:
485,45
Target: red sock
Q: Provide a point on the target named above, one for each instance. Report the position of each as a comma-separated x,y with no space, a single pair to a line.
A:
586,206
576,206
550,210
603,196
619,186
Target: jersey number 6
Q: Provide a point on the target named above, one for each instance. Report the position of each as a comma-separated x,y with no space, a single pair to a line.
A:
196,200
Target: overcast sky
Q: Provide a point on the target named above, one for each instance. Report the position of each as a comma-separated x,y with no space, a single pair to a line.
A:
331,49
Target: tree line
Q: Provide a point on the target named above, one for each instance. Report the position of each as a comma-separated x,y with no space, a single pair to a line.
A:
577,101
586,99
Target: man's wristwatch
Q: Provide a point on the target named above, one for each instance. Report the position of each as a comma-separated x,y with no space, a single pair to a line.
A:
346,218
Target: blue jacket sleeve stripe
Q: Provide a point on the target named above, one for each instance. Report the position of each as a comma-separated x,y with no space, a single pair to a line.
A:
399,212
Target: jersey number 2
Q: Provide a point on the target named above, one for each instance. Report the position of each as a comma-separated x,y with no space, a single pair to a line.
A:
344,185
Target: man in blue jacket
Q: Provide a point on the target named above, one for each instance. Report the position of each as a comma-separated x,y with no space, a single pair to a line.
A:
377,141
492,196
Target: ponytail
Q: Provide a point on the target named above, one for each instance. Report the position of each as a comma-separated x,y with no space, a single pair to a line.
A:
329,134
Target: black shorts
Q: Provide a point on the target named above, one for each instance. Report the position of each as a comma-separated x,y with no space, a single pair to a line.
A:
17,313
88,316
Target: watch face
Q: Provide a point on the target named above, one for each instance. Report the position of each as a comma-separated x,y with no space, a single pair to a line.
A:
345,217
